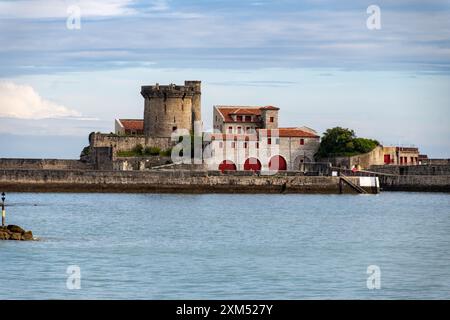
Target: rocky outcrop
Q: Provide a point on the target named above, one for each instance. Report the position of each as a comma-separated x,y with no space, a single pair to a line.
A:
13,232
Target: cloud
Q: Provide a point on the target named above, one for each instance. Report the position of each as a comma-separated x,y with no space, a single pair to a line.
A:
58,8
227,34
23,102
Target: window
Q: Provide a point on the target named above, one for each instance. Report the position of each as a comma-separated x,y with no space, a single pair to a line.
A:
248,118
239,129
174,128
277,141
230,129
257,145
302,142
239,118
245,145
248,129
233,144
269,140
271,119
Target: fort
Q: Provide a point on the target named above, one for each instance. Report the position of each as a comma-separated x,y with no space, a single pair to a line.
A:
248,152
170,107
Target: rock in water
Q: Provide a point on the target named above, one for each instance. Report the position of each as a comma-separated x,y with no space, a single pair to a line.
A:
28,235
13,232
16,236
15,229
4,235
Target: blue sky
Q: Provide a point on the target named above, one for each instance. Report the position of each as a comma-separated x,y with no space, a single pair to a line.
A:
316,60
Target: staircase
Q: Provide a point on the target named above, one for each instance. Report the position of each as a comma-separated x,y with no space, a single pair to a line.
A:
351,184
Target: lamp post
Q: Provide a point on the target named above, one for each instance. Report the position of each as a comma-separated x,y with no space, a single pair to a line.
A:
3,209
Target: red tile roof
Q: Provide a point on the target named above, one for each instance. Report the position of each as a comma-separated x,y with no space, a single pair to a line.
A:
132,124
282,132
231,137
269,108
289,132
227,111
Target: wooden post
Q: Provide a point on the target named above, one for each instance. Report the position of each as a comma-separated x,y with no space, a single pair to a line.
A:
3,209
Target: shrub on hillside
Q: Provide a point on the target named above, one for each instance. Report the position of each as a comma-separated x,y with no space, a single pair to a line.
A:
343,142
151,151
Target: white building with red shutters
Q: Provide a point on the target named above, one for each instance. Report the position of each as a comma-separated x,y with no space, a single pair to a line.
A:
248,138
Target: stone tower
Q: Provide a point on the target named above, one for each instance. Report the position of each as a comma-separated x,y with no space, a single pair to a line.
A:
171,107
269,117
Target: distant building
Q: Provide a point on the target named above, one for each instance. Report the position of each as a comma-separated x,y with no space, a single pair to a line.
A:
381,155
248,138
129,126
242,119
244,137
401,155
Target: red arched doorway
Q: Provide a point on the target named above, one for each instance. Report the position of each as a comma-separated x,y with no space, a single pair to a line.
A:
277,163
252,164
227,165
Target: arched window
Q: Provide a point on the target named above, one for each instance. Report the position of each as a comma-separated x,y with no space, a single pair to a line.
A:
227,165
277,163
252,164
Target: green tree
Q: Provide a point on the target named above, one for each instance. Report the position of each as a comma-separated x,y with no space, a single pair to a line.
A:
343,142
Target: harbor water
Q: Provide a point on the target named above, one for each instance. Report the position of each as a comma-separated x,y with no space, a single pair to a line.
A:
178,246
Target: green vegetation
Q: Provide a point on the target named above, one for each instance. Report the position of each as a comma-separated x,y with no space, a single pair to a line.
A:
166,153
140,151
86,151
151,151
127,153
343,142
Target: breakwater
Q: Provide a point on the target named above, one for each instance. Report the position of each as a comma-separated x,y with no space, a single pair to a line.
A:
415,170
45,164
171,181
13,232
421,183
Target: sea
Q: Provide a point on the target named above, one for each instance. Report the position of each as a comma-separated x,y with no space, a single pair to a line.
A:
393,245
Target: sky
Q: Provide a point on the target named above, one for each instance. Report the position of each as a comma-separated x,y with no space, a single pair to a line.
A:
317,60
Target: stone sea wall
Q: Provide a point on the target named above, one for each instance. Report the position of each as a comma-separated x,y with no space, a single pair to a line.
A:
46,164
167,181
437,183
426,170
